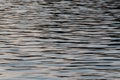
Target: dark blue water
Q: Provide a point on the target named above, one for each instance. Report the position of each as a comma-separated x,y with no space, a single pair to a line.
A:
59,40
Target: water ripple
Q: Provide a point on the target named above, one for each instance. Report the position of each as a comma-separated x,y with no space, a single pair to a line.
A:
59,40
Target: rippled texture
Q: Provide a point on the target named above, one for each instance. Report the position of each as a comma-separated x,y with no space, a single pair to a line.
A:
59,40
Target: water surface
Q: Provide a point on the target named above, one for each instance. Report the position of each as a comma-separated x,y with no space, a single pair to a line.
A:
59,40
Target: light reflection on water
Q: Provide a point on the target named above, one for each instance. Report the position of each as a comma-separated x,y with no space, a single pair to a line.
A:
59,40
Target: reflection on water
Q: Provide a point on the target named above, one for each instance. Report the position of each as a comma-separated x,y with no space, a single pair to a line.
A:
59,40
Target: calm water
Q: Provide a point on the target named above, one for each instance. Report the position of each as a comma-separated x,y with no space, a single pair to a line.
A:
59,40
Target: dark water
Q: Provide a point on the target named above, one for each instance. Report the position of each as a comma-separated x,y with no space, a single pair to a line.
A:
59,40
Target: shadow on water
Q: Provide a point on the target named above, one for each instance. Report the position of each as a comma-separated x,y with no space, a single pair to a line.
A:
59,40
